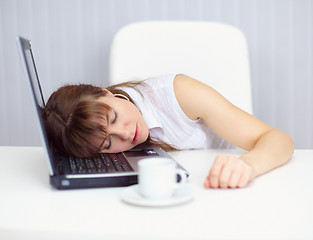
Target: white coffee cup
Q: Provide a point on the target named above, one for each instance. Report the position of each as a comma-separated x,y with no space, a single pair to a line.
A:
158,177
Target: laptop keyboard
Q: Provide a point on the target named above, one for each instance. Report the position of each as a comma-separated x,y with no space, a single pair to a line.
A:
103,164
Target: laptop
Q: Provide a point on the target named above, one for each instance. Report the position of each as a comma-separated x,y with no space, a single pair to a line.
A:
66,172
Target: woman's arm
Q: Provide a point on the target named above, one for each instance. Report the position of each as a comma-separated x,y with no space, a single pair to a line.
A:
267,147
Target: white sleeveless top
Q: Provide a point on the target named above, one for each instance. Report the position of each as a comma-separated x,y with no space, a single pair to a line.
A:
166,120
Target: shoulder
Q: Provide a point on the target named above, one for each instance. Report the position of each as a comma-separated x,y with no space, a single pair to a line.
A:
186,86
162,81
195,97
184,82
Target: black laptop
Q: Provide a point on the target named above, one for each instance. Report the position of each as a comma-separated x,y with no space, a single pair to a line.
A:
105,170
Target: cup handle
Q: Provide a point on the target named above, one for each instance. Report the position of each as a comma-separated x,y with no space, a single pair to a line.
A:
182,175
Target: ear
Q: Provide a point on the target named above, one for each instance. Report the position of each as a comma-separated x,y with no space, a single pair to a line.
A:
107,92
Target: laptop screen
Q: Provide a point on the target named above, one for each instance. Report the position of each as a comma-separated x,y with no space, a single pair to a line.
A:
35,87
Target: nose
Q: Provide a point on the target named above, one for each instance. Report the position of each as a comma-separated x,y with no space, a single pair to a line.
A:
121,132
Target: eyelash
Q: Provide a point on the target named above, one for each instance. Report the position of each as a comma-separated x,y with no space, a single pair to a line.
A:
114,120
115,117
108,147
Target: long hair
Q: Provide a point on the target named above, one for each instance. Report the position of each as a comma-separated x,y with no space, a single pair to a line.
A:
73,117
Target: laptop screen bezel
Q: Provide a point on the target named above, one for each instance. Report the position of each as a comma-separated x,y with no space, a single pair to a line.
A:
24,48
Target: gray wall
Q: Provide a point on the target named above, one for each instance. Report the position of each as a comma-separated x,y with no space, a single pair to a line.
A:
71,41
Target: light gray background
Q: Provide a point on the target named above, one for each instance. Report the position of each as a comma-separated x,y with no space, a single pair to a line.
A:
71,41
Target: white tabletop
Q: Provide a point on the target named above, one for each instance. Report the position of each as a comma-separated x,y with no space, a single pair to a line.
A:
277,205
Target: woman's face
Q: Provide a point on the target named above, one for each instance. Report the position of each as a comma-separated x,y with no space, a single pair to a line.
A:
126,127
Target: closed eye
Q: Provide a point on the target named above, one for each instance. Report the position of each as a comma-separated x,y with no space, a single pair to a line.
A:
106,144
115,117
109,143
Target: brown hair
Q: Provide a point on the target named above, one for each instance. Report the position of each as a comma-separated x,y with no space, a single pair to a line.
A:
72,117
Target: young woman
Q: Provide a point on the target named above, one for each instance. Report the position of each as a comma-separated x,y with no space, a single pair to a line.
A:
176,112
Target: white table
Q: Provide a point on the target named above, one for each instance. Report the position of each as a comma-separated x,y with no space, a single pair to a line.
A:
277,205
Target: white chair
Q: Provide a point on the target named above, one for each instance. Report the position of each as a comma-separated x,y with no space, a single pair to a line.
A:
211,52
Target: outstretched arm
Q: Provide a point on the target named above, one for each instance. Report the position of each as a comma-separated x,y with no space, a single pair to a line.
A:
267,147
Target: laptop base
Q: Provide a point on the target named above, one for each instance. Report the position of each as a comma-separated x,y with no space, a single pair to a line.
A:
60,182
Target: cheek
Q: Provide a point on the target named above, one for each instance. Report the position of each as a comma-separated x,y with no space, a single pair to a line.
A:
120,147
133,111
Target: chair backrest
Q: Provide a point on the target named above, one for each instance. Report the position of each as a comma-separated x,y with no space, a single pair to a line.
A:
211,52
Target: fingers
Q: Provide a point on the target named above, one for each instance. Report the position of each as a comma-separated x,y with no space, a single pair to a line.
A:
215,173
234,180
225,175
245,179
229,172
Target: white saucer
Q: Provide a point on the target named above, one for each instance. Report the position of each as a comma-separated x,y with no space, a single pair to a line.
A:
181,195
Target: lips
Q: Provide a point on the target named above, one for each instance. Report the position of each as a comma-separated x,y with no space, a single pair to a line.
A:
135,139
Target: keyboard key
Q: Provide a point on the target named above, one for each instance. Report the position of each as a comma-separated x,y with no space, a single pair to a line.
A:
99,165
108,163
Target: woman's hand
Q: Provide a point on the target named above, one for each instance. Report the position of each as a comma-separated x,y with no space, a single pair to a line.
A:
229,172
